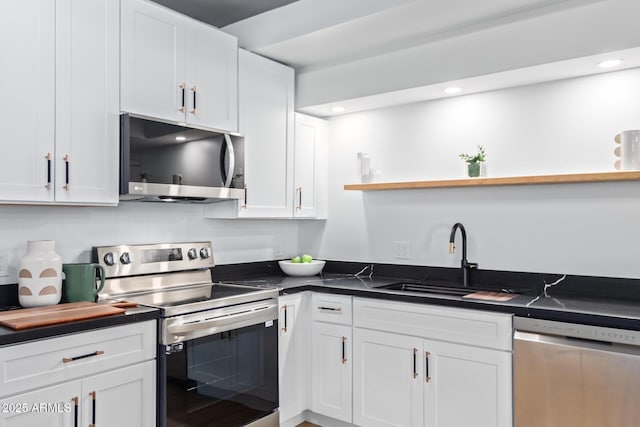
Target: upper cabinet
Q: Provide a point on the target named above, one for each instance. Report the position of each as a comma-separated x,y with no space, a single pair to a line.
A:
266,120
176,68
59,101
310,167
285,153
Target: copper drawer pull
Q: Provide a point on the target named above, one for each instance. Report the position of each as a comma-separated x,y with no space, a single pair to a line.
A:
71,359
415,366
344,352
330,308
284,307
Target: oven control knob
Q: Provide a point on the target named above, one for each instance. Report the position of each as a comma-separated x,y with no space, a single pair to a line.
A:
125,258
109,259
204,253
192,253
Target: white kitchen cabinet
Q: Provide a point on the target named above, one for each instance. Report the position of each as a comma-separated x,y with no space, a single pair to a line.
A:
124,397
331,370
474,379
292,357
60,101
310,167
419,365
117,364
176,68
387,379
266,120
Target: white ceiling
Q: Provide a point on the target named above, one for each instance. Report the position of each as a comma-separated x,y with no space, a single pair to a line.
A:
371,53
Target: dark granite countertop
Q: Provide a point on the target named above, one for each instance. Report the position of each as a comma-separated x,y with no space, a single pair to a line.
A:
139,314
535,303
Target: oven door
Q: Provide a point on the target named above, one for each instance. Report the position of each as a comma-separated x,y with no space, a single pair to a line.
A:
225,379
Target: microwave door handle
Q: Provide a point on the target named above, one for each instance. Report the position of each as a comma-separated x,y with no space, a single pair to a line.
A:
228,176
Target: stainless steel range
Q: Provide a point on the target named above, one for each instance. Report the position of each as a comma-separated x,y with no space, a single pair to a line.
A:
218,343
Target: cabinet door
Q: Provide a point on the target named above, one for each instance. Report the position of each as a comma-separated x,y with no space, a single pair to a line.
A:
310,166
467,386
153,60
331,364
266,121
387,379
87,108
124,398
212,77
27,37
51,406
292,356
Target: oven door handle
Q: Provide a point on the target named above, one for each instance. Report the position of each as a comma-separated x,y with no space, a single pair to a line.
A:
248,317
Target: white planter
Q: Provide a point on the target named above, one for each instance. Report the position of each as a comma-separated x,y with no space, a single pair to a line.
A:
40,275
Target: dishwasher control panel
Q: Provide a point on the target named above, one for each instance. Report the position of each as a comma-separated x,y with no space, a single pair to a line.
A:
596,333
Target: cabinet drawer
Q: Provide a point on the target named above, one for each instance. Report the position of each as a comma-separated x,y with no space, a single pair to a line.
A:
40,363
331,308
459,325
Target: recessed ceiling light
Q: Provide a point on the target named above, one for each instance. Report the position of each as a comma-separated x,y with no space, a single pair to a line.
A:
181,138
610,63
453,89
338,109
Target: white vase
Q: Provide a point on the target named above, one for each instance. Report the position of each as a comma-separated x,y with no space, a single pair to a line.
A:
40,275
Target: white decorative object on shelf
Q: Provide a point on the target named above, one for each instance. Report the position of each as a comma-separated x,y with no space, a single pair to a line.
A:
40,275
630,150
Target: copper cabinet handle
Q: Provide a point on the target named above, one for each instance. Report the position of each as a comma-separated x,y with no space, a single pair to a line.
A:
182,87
426,373
193,89
93,409
75,411
48,184
246,191
71,359
329,308
344,355
415,364
67,160
284,307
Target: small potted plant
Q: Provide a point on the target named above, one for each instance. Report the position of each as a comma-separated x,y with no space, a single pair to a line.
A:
475,162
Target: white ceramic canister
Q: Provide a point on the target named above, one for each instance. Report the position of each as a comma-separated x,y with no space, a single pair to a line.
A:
40,275
630,150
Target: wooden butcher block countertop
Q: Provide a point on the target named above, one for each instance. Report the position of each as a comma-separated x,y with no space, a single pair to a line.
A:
27,318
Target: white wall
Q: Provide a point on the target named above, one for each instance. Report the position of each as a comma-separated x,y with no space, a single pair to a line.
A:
566,126
77,229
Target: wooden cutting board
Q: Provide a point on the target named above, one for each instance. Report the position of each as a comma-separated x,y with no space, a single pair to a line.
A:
26,318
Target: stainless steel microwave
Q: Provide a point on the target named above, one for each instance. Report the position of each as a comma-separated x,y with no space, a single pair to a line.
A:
173,163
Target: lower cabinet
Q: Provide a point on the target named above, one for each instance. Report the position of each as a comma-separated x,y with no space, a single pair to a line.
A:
383,363
292,356
102,377
387,379
331,370
407,381
124,397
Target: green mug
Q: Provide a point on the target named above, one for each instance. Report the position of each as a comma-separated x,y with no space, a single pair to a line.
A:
80,282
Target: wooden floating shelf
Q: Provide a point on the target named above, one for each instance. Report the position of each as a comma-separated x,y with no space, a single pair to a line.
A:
510,180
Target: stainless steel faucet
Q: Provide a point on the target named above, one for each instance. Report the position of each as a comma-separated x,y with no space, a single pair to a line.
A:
464,264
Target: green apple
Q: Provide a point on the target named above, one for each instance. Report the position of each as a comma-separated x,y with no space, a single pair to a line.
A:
306,258
296,259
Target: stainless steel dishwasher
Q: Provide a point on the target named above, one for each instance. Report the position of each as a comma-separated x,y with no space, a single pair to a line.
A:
568,375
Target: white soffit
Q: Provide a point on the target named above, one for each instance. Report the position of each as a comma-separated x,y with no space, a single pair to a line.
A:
300,18
524,76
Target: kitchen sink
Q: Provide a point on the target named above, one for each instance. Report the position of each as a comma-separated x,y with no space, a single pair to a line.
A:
426,288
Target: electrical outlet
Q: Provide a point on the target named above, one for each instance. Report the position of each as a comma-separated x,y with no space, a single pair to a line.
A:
277,247
403,250
4,263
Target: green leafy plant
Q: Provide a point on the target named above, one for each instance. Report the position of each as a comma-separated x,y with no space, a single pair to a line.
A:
479,157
